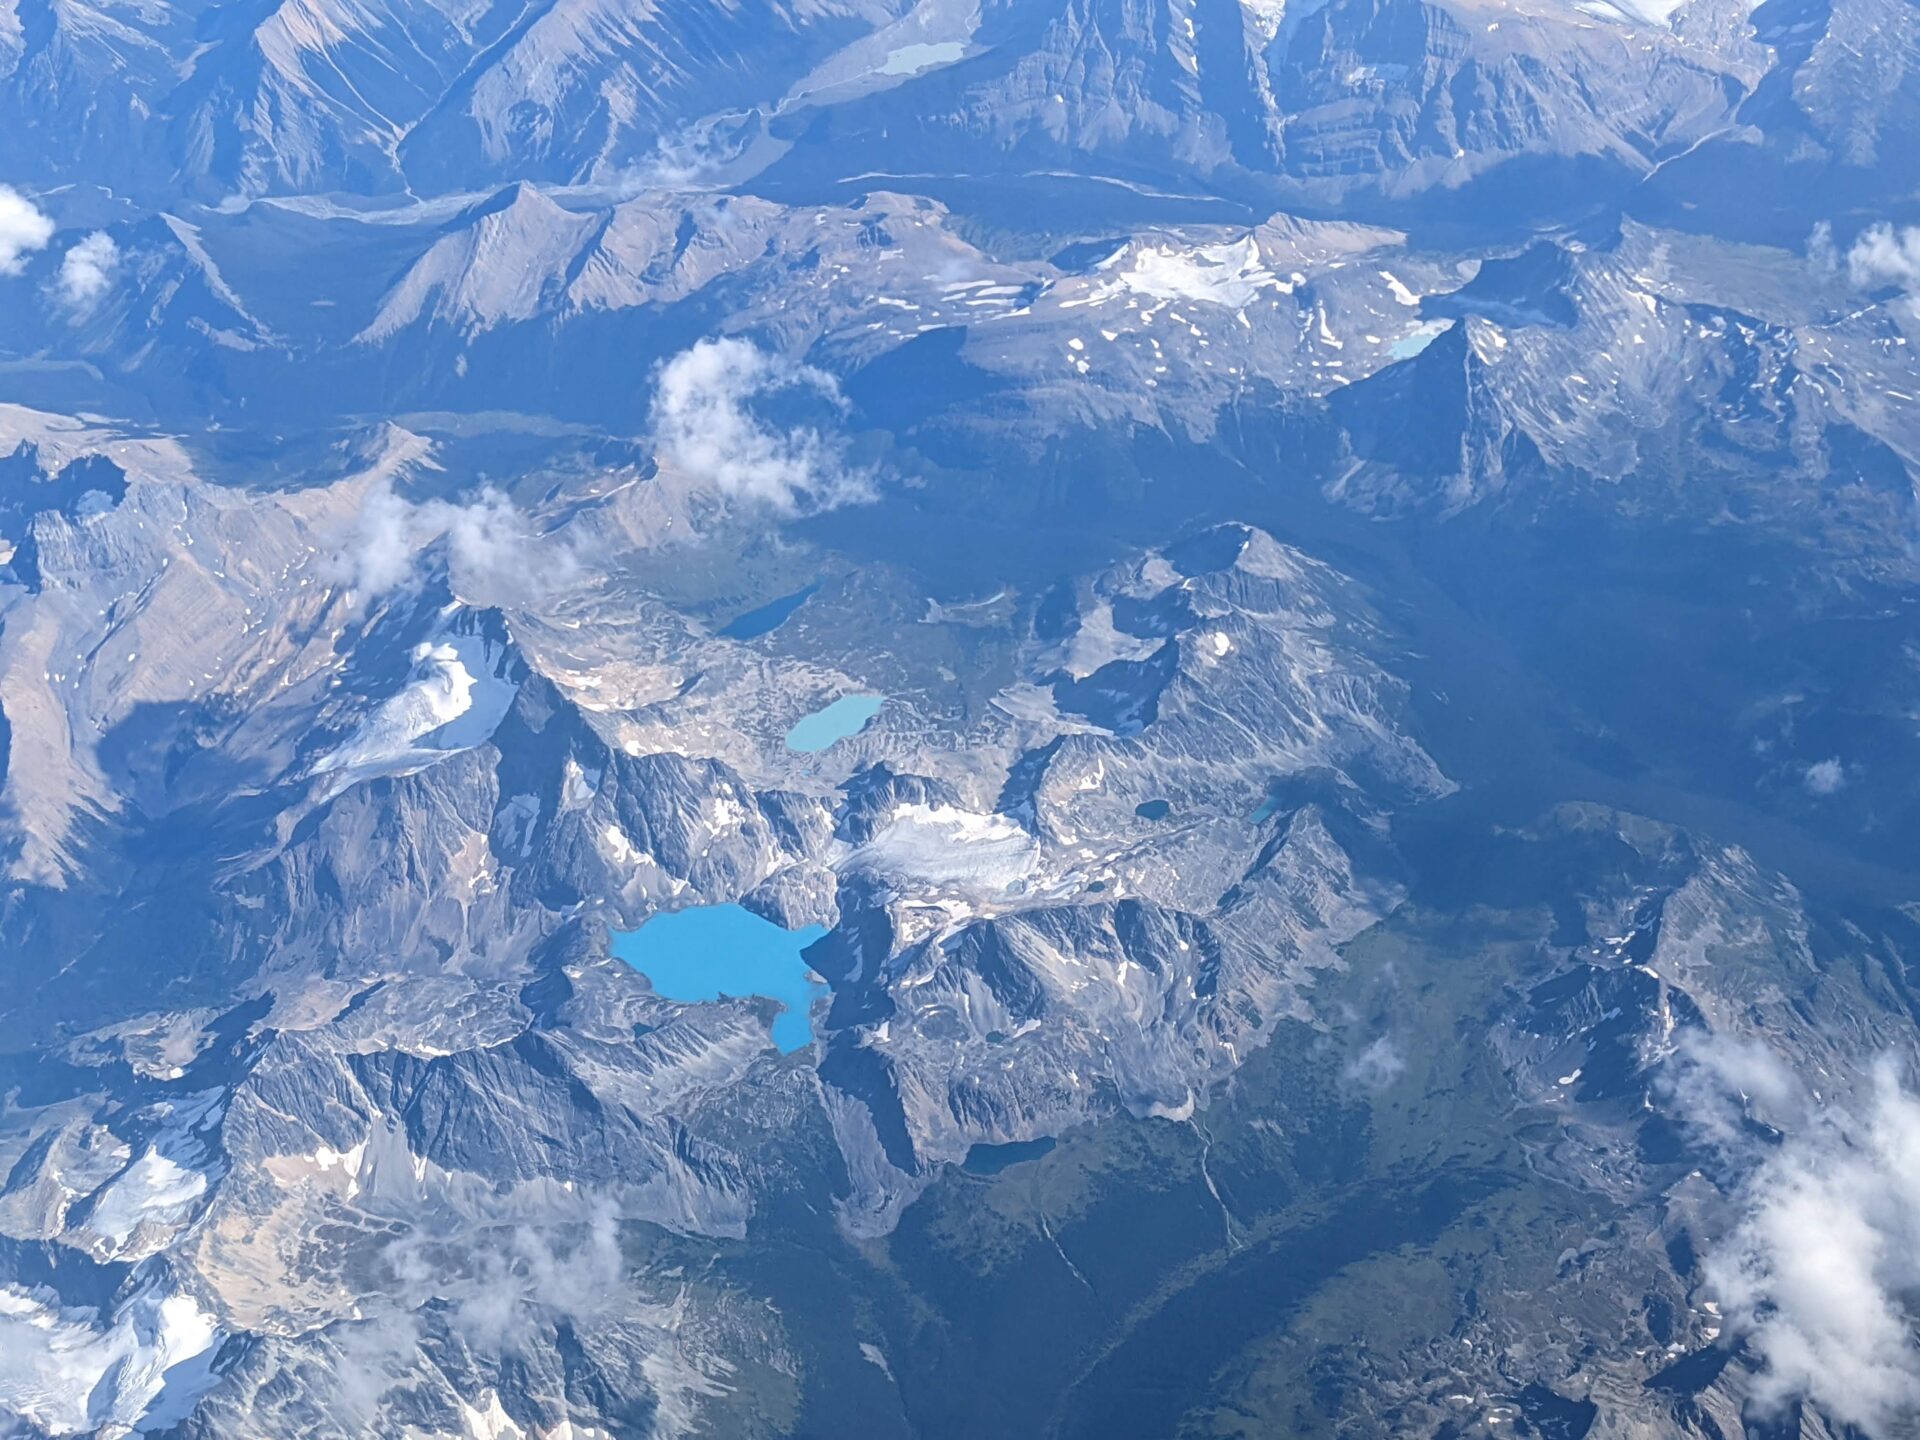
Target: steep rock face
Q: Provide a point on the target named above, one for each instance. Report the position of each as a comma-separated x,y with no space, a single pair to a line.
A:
59,113
593,87
1001,1030
1593,365
1142,90
1162,85
112,585
497,268
1149,898
1380,98
1402,97
318,89
1852,75
324,95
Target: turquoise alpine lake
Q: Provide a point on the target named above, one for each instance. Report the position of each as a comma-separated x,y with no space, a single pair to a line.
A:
1418,338
846,716
1268,805
716,950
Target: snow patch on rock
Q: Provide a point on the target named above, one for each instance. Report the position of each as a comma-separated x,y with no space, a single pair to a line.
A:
453,702
64,1373
1231,274
154,1189
943,847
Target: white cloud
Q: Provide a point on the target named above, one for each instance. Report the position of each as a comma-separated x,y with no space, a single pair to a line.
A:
493,558
382,552
1884,255
492,551
370,1358
546,1276
1377,1066
1825,777
87,270
705,428
23,230
1820,1274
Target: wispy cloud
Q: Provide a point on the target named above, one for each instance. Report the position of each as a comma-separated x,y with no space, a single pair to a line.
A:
506,1295
1377,1066
706,427
1825,777
1716,1082
24,229
87,270
502,1296
685,159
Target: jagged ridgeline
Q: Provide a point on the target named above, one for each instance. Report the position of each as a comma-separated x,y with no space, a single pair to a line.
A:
1046,719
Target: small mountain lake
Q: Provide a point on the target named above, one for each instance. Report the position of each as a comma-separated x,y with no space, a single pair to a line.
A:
846,716
986,1159
769,617
912,59
1418,338
716,950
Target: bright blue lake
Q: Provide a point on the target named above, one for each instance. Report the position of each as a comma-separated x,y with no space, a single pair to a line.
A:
715,950
846,716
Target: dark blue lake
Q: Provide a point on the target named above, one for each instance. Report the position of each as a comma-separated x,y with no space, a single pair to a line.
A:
985,1159
716,950
768,617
